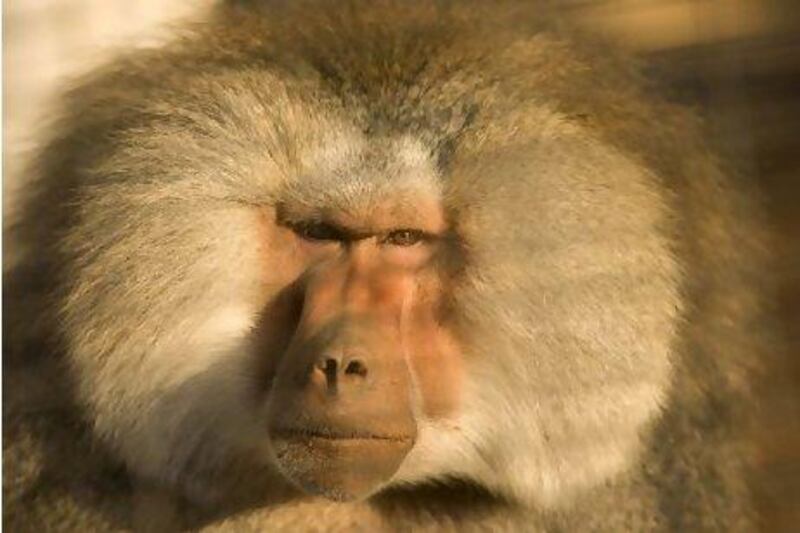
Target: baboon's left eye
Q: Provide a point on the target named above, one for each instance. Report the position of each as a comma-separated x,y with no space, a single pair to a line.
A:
404,237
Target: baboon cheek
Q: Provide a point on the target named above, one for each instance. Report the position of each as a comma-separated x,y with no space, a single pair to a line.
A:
435,359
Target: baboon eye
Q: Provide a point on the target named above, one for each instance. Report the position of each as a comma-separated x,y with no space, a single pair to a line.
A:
404,237
317,231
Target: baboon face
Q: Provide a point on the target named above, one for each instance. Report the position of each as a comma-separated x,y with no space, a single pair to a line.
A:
357,342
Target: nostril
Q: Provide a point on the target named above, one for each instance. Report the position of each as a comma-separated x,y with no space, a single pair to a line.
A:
356,368
329,367
327,364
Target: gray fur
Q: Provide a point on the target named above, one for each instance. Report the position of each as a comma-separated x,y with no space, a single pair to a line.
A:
607,288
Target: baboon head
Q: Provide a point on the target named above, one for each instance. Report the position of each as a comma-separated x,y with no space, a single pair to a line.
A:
363,255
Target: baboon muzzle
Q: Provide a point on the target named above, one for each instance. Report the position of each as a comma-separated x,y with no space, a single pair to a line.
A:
340,412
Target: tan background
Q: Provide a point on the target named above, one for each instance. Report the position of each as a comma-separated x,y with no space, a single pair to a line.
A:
737,59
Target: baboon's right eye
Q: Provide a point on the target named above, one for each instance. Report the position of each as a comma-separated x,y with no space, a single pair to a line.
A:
317,231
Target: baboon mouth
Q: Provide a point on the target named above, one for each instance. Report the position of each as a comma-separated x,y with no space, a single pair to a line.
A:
332,434
338,463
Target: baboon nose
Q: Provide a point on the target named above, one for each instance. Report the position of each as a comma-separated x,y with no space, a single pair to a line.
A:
336,368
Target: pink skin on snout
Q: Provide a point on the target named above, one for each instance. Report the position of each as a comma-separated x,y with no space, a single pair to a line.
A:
368,354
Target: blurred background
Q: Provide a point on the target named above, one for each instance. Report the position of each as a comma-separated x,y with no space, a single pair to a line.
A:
736,60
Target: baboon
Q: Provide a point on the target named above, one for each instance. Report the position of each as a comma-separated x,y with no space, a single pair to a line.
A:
387,265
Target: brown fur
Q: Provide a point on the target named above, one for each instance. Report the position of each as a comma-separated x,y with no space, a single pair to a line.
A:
607,289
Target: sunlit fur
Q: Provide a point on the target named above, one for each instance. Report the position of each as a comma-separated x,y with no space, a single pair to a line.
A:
603,292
